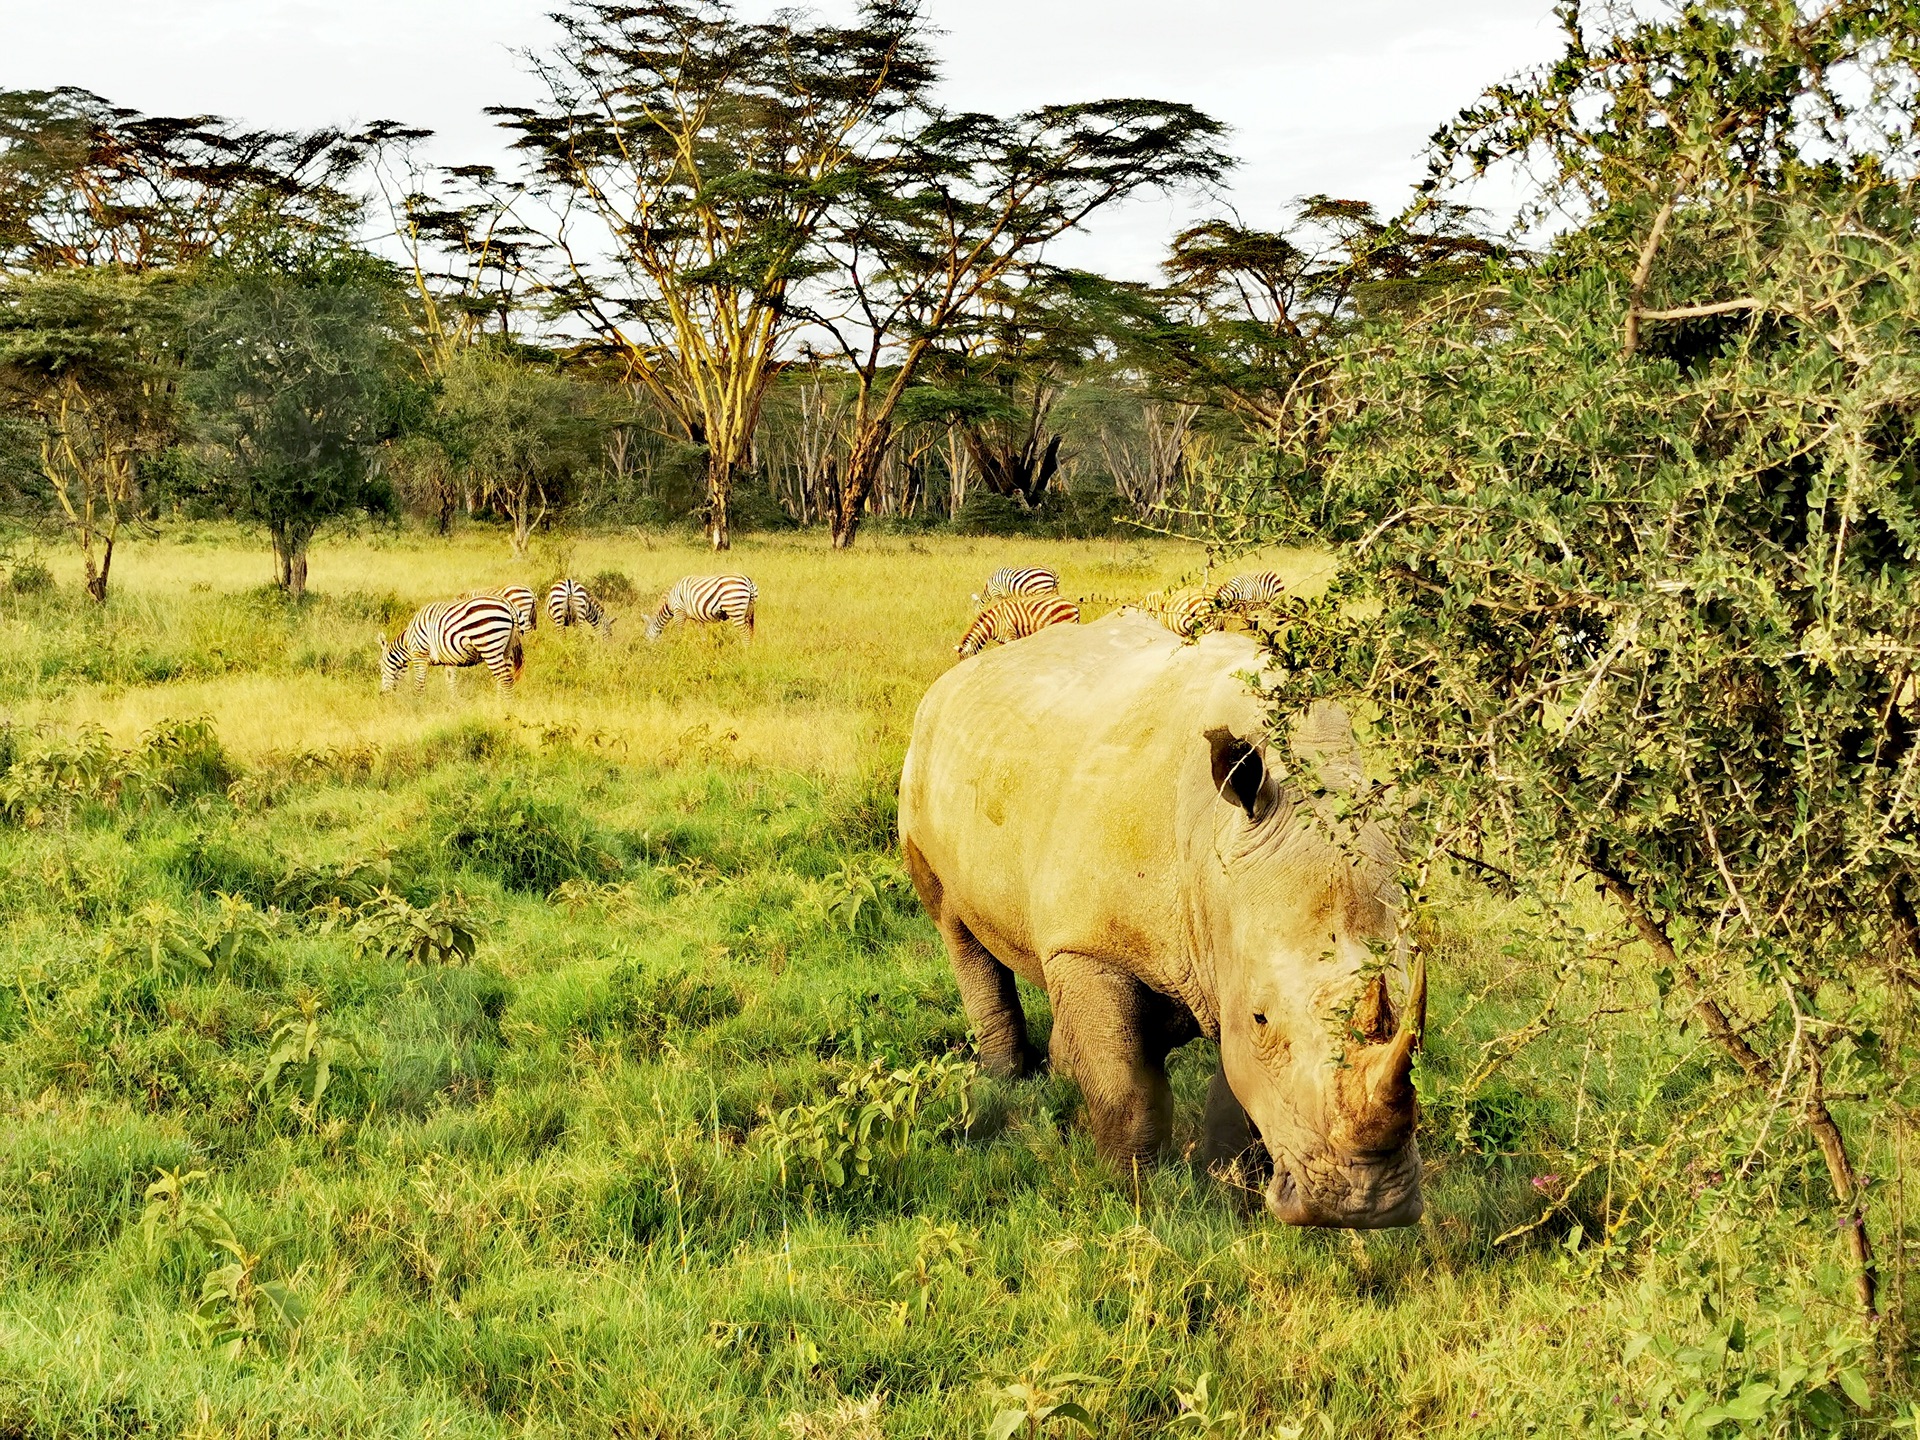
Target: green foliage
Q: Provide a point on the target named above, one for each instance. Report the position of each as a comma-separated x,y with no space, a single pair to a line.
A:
301,1060
526,842
861,1134
288,372
45,777
442,932
1628,544
1028,1407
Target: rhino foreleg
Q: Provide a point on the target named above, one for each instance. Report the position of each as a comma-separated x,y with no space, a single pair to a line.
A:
1108,1036
1229,1145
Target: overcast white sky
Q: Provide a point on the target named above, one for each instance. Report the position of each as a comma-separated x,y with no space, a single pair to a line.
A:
1333,96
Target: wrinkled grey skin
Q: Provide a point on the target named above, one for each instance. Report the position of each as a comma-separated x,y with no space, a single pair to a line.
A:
1095,810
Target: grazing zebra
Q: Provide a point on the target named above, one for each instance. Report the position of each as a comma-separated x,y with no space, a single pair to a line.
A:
1014,617
483,630
1248,592
1018,580
710,598
568,603
519,597
1188,613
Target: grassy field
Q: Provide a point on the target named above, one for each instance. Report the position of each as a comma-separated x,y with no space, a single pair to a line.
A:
582,1064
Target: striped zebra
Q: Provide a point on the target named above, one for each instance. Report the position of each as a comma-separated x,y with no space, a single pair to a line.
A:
482,630
1014,617
569,603
1020,580
518,596
1248,592
1188,613
707,597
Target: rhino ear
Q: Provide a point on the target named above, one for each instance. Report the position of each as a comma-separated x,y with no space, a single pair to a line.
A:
1239,774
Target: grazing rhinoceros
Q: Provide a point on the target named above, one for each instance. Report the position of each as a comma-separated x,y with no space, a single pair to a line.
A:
1095,810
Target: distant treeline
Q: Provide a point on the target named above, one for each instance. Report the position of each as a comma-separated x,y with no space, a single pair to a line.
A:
739,274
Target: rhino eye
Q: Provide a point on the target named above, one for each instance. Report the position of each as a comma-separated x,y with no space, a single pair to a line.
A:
1259,1018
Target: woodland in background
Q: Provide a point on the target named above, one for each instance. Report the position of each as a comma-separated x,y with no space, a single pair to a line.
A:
741,275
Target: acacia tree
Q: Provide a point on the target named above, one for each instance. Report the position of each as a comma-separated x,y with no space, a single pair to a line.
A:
1643,552
687,159
85,183
956,209
1247,313
84,362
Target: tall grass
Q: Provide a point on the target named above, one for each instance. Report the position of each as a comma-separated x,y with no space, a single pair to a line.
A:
573,1183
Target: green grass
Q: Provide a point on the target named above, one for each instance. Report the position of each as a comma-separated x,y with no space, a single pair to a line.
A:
564,1186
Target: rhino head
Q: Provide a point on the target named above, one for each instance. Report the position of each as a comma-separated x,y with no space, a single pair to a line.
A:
1296,906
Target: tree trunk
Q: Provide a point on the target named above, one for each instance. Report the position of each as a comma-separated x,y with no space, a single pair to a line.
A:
97,579
719,499
519,510
864,458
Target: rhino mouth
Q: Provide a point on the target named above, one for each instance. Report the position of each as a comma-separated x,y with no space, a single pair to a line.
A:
1363,1193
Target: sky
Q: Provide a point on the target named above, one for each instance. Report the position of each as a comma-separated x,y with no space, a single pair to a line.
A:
1323,96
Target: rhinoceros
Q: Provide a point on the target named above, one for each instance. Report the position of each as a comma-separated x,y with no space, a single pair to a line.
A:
1098,811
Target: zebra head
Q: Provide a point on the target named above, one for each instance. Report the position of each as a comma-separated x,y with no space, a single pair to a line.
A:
393,663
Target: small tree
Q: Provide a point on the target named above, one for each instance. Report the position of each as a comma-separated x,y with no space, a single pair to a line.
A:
292,367
522,433
84,363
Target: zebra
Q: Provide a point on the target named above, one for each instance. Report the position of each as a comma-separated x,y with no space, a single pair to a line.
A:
1188,613
568,603
1020,580
518,596
707,597
481,630
1249,592
1014,617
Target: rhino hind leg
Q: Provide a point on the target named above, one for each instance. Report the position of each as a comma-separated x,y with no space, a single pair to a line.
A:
987,987
1107,1037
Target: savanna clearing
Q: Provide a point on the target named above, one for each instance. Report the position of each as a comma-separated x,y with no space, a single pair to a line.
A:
582,1064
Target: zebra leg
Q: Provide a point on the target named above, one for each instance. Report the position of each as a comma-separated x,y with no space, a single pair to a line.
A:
453,680
419,669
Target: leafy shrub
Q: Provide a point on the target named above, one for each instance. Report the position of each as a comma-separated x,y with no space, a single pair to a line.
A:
526,842
862,1133
985,513
30,576
649,1007
182,759
440,932
613,585
45,781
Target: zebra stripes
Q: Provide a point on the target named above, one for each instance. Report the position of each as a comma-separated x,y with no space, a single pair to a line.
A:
1261,587
1014,618
483,630
709,598
1021,580
518,596
1188,613
568,603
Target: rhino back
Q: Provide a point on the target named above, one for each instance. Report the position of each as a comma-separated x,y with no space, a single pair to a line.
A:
1048,784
